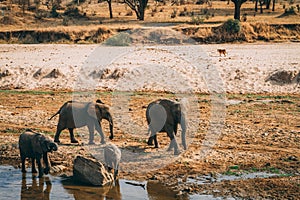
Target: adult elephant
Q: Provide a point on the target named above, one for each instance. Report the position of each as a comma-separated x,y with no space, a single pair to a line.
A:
75,114
164,115
36,146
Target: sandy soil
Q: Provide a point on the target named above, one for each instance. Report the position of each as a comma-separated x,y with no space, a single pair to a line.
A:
259,132
195,68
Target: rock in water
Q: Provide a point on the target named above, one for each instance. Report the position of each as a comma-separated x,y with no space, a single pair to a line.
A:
91,172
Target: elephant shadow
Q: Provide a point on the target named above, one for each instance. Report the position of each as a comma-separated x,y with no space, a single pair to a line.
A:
79,192
40,188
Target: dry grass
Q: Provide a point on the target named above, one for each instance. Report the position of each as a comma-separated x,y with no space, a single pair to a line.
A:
97,13
202,22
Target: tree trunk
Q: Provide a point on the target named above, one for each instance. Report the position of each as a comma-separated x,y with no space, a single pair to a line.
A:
110,9
261,3
273,6
237,10
256,3
141,8
268,2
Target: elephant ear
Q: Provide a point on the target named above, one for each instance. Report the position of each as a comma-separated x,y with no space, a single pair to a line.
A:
176,110
37,142
91,110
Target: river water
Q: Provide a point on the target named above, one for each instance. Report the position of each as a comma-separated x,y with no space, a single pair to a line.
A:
16,185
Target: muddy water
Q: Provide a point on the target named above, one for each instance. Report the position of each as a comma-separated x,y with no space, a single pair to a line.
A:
15,185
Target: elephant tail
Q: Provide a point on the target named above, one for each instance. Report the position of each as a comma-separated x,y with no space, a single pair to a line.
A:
65,104
54,115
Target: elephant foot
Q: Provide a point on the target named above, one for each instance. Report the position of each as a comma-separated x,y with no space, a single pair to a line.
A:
24,171
111,137
150,143
103,142
177,152
47,170
74,141
57,141
91,142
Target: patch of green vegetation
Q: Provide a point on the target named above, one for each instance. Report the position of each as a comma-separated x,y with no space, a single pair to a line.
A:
232,26
236,167
273,170
10,130
285,175
254,169
197,19
33,92
231,173
121,39
237,111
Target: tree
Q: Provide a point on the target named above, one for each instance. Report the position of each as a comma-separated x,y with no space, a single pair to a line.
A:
138,6
237,8
261,3
110,9
273,7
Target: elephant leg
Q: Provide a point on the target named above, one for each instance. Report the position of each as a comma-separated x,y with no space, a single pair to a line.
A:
91,131
23,159
58,131
72,137
150,140
99,129
173,143
41,171
155,141
152,137
33,169
47,165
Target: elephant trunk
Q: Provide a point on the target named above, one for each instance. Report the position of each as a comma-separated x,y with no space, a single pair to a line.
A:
183,127
111,126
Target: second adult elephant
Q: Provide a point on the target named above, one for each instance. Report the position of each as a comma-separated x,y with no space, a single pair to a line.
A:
75,114
164,115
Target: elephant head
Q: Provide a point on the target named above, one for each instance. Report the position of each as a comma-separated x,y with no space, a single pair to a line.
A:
43,144
101,111
179,118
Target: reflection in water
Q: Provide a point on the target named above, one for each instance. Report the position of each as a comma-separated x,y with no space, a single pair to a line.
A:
36,189
80,192
15,185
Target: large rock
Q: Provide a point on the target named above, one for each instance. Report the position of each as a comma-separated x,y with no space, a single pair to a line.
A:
91,172
284,77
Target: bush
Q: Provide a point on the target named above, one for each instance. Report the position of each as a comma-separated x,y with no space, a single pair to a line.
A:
121,39
197,20
232,26
53,12
72,11
291,10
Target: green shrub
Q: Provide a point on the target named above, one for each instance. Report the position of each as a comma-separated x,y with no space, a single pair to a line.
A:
121,39
232,26
54,12
290,10
197,19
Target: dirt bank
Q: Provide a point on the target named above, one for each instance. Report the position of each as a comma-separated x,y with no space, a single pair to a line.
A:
250,32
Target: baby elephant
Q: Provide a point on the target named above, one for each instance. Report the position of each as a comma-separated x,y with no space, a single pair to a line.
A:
36,146
112,156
